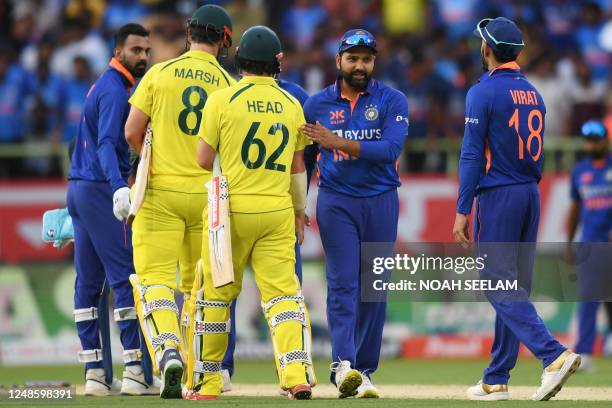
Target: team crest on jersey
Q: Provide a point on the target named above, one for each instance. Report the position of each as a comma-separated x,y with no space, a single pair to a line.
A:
371,113
609,175
586,178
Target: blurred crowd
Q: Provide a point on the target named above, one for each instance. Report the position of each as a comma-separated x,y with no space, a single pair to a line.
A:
51,51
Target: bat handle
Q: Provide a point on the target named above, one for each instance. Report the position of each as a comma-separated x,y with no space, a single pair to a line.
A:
217,166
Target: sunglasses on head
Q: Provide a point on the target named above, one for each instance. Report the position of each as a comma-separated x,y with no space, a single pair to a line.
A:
593,130
482,28
360,39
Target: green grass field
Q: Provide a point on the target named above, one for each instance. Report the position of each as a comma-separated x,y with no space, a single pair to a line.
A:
415,372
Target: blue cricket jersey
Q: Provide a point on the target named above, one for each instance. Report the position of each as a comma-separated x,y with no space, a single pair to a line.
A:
310,153
504,134
294,89
75,92
591,186
378,119
101,151
15,95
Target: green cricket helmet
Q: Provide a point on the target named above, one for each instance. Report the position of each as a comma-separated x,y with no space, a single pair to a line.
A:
260,44
211,17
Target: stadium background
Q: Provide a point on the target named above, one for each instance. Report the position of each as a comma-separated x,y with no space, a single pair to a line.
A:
52,50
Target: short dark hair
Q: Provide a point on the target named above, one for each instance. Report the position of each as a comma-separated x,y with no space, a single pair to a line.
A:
257,67
504,53
129,29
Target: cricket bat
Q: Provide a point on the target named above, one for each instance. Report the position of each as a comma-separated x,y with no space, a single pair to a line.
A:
142,175
219,232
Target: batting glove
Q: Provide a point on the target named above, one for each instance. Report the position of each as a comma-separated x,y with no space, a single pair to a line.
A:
121,203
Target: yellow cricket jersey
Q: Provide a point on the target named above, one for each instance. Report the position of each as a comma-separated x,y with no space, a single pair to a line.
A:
255,127
173,94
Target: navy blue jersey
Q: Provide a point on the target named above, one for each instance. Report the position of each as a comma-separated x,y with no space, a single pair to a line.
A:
310,152
101,151
295,90
378,120
504,134
591,187
15,94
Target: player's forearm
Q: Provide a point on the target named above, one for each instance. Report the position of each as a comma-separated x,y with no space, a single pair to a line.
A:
298,187
110,165
380,151
135,127
351,147
469,175
206,155
133,140
298,191
572,220
310,160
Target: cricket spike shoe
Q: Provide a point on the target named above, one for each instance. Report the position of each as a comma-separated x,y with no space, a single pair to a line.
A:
134,383
556,374
171,365
587,364
96,385
227,381
300,392
347,379
367,389
488,392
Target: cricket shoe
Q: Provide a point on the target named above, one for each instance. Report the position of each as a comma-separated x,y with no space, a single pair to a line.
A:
300,392
227,381
488,392
347,379
95,384
556,374
587,364
367,389
134,382
172,373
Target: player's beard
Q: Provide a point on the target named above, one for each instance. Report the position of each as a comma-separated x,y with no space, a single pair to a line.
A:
485,66
137,70
598,154
358,83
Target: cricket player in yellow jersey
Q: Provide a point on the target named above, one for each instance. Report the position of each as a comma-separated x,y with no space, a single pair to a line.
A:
255,128
167,230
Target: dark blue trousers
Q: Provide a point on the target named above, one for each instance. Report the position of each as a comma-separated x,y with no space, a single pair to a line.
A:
587,327
228,359
102,250
510,215
345,222
594,276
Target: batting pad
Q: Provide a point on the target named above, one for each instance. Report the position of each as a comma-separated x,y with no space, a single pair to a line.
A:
289,325
158,317
209,327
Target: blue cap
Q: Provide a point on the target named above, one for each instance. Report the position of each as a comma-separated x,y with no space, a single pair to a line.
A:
501,34
594,129
357,38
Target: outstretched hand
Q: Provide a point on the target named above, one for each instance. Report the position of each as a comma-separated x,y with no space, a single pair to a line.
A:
322,135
